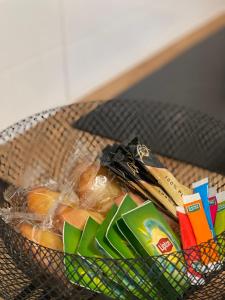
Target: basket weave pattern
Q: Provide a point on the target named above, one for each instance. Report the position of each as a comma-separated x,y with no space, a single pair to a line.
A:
35,149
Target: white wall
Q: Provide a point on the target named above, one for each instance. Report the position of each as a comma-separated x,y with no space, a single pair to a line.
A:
54,51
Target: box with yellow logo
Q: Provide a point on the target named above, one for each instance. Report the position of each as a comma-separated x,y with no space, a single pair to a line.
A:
148,232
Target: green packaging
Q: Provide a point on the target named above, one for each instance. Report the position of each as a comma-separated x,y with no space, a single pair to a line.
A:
85,270
128,281
219,225
71,238
87,246
73,269
103,244
114,236
148,232
118,241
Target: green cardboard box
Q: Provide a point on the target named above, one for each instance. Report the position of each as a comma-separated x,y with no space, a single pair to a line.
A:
114,236
87,246
101,240
118,241
148,232
82,270
71,238
105,247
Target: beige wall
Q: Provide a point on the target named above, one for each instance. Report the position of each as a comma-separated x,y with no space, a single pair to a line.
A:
55,51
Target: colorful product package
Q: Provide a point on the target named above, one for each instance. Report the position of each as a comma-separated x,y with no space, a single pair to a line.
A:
192,252
126,178
103,244
88,249
87,246
147,231
220,215
71,238
155,191
196,214
129,281
113,234
81,270
212,203
117,240
201,187
127,164
156,169
118,159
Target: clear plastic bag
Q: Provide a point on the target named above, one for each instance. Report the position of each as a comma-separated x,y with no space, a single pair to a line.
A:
39,212
97,189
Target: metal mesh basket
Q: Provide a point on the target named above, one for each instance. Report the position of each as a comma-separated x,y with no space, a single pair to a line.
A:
190,144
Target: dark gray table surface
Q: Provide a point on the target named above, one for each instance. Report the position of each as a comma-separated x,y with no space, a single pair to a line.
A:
196,78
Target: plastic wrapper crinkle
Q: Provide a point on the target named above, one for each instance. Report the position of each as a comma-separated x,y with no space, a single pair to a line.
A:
39,211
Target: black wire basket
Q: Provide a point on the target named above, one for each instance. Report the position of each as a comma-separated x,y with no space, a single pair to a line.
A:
189,143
